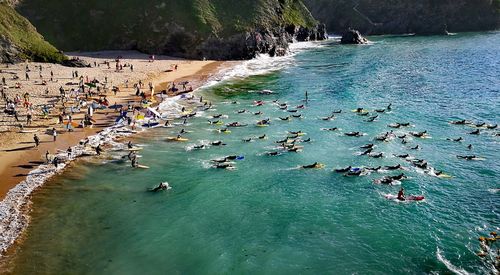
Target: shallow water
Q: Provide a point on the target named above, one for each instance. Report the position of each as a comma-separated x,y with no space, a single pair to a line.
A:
268,217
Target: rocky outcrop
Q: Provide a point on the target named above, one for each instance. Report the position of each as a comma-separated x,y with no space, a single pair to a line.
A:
247,45
20,41
352,37
76,63
423,17
9,53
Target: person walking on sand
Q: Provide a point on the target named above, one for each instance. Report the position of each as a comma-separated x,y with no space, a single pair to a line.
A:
47,156
54,134
98,150
27,76
37,140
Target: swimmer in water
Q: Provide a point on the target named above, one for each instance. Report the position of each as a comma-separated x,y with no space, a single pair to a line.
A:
314,165
459,139
161,187
218,143
476,132
419,134
394,167
372,119
471,157
368,151
378,155
353,134
459,122
367,146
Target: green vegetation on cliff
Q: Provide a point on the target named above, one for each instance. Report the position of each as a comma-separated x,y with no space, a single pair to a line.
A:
19,40
157,26
407,16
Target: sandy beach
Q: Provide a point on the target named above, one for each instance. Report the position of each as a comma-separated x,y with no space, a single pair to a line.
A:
18,154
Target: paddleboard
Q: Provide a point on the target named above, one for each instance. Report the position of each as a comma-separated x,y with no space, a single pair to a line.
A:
409,198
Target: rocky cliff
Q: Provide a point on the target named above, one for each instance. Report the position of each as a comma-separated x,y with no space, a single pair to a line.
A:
215,29
19,40
407,16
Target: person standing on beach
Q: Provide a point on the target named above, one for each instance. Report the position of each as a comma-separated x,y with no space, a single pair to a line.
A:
29,118
55,161
47,156
15,115
98,150
37,140
27,76
54,134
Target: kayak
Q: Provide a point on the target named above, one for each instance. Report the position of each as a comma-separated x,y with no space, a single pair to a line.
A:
409,198
176,139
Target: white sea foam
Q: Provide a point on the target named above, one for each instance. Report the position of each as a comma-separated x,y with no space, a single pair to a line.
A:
263,64
448,264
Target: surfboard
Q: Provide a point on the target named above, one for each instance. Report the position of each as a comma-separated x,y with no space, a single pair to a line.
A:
28,131
176,139
142,166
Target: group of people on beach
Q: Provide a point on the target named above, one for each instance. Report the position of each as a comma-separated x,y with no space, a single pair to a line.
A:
84,97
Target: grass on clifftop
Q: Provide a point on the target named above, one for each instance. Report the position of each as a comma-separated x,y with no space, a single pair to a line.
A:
148,24
19,31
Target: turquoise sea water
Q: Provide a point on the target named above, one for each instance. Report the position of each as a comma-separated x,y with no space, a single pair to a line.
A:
267,217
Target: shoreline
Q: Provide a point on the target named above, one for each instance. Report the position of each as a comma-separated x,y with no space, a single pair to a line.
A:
18,188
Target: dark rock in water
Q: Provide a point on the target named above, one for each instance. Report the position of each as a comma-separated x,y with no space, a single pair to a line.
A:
353,37
77,63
